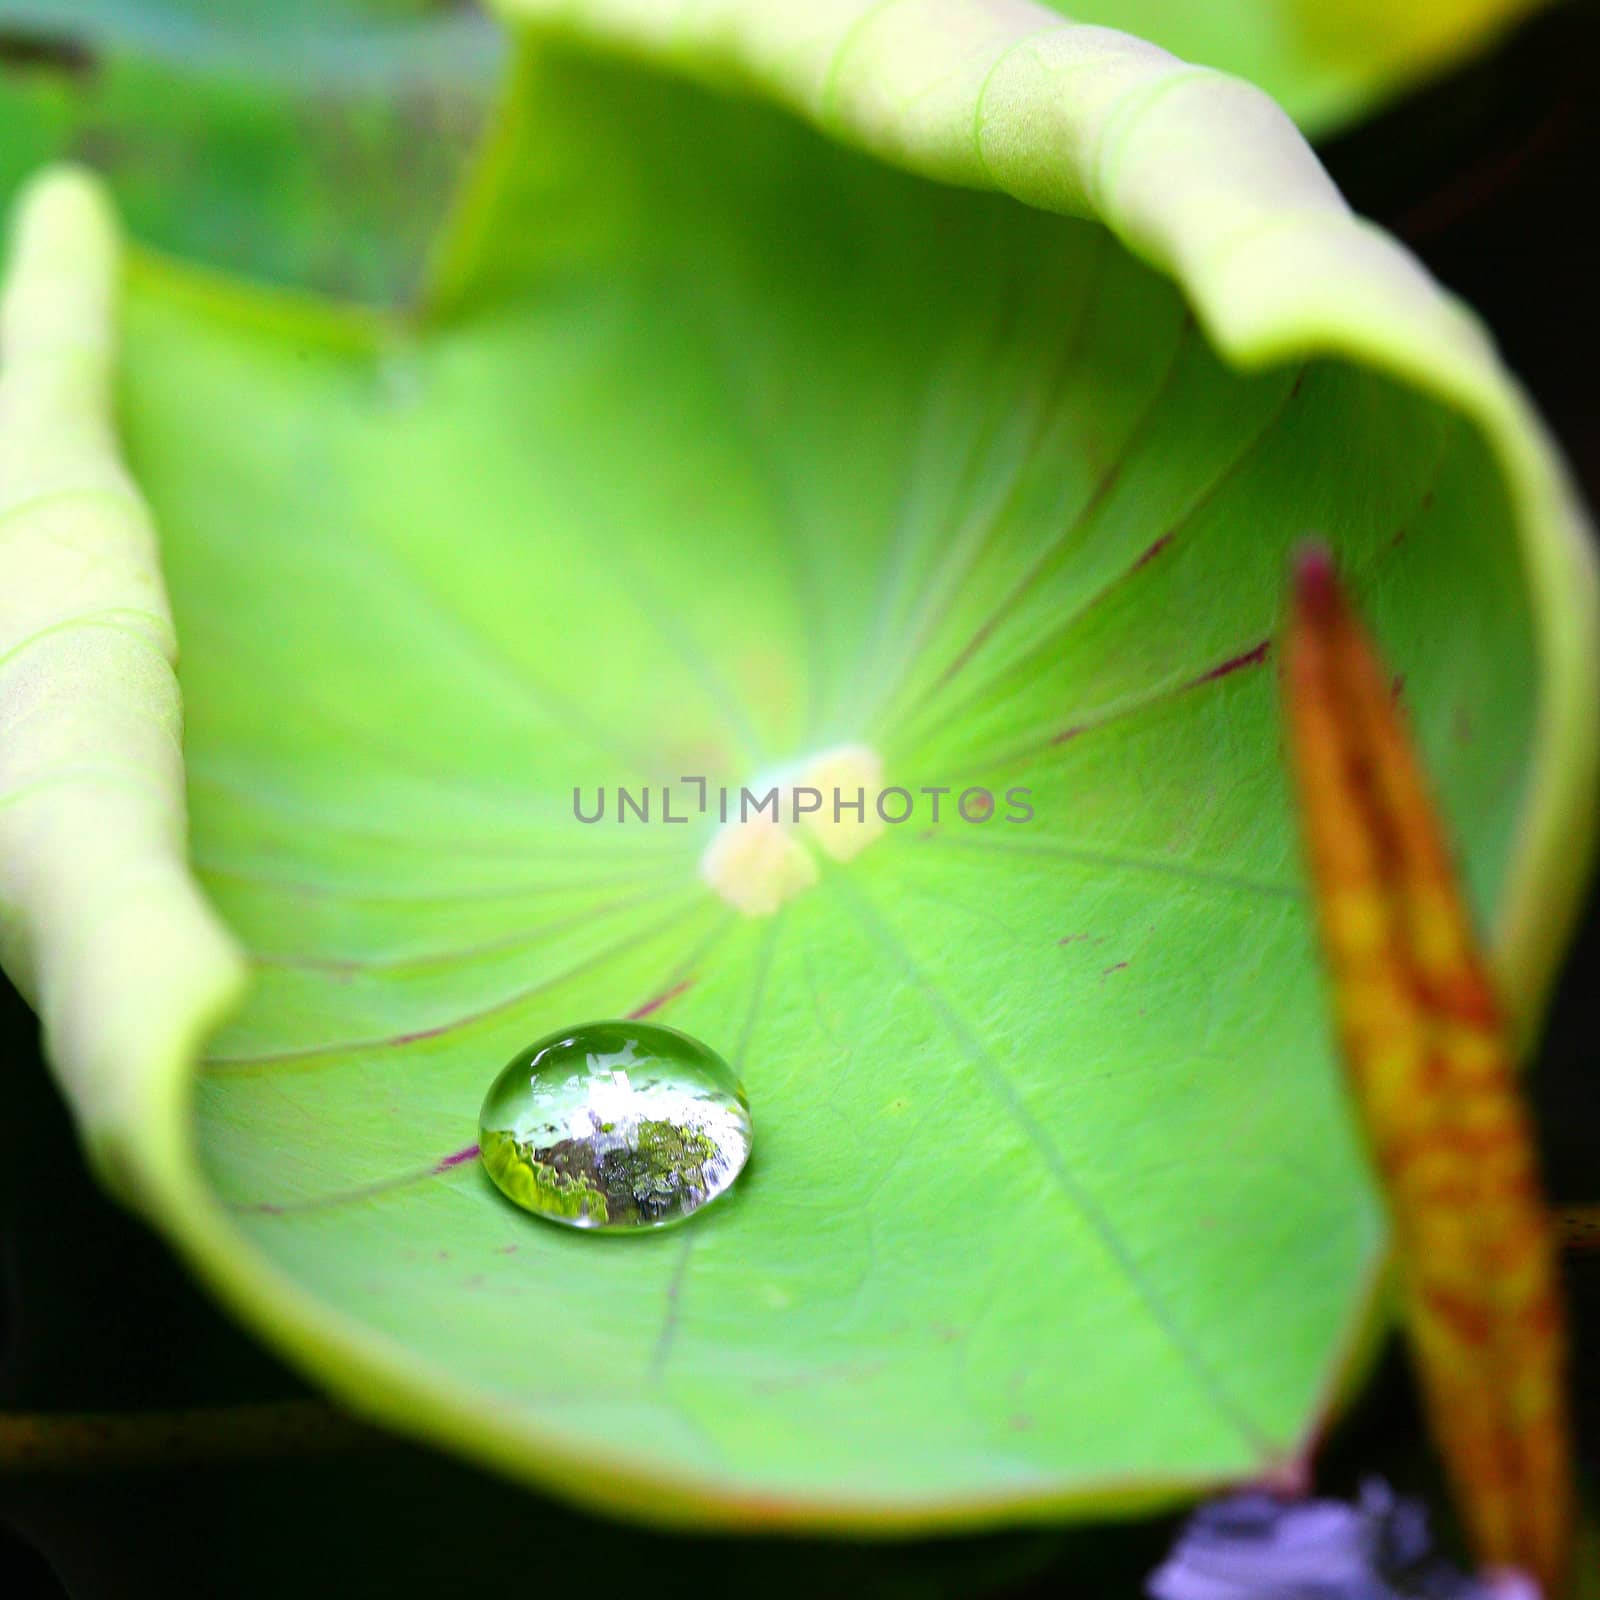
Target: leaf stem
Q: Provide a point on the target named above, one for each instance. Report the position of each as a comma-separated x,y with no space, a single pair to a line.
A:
92,1441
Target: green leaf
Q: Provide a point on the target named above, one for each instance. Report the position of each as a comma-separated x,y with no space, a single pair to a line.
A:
723,448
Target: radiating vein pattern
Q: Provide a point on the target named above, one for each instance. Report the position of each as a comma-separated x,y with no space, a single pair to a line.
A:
743,449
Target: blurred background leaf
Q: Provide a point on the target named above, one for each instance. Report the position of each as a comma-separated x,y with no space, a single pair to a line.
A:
308,144
1328,62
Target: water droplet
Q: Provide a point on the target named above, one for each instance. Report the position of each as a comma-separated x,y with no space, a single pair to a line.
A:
615,1125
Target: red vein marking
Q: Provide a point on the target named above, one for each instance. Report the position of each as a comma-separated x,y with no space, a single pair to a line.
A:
366,1191
1091,507
338,1049
1246,658
1154,550
1191,512
1250,658
664,998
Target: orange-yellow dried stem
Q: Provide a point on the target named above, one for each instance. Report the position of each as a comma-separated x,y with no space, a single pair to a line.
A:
1435,1083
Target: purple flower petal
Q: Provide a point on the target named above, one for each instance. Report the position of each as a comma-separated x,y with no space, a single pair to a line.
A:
1255,1546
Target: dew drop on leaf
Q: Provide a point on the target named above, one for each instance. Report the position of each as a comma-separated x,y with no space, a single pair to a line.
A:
615,1125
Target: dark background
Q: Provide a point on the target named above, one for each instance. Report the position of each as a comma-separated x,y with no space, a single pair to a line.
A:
1490,176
